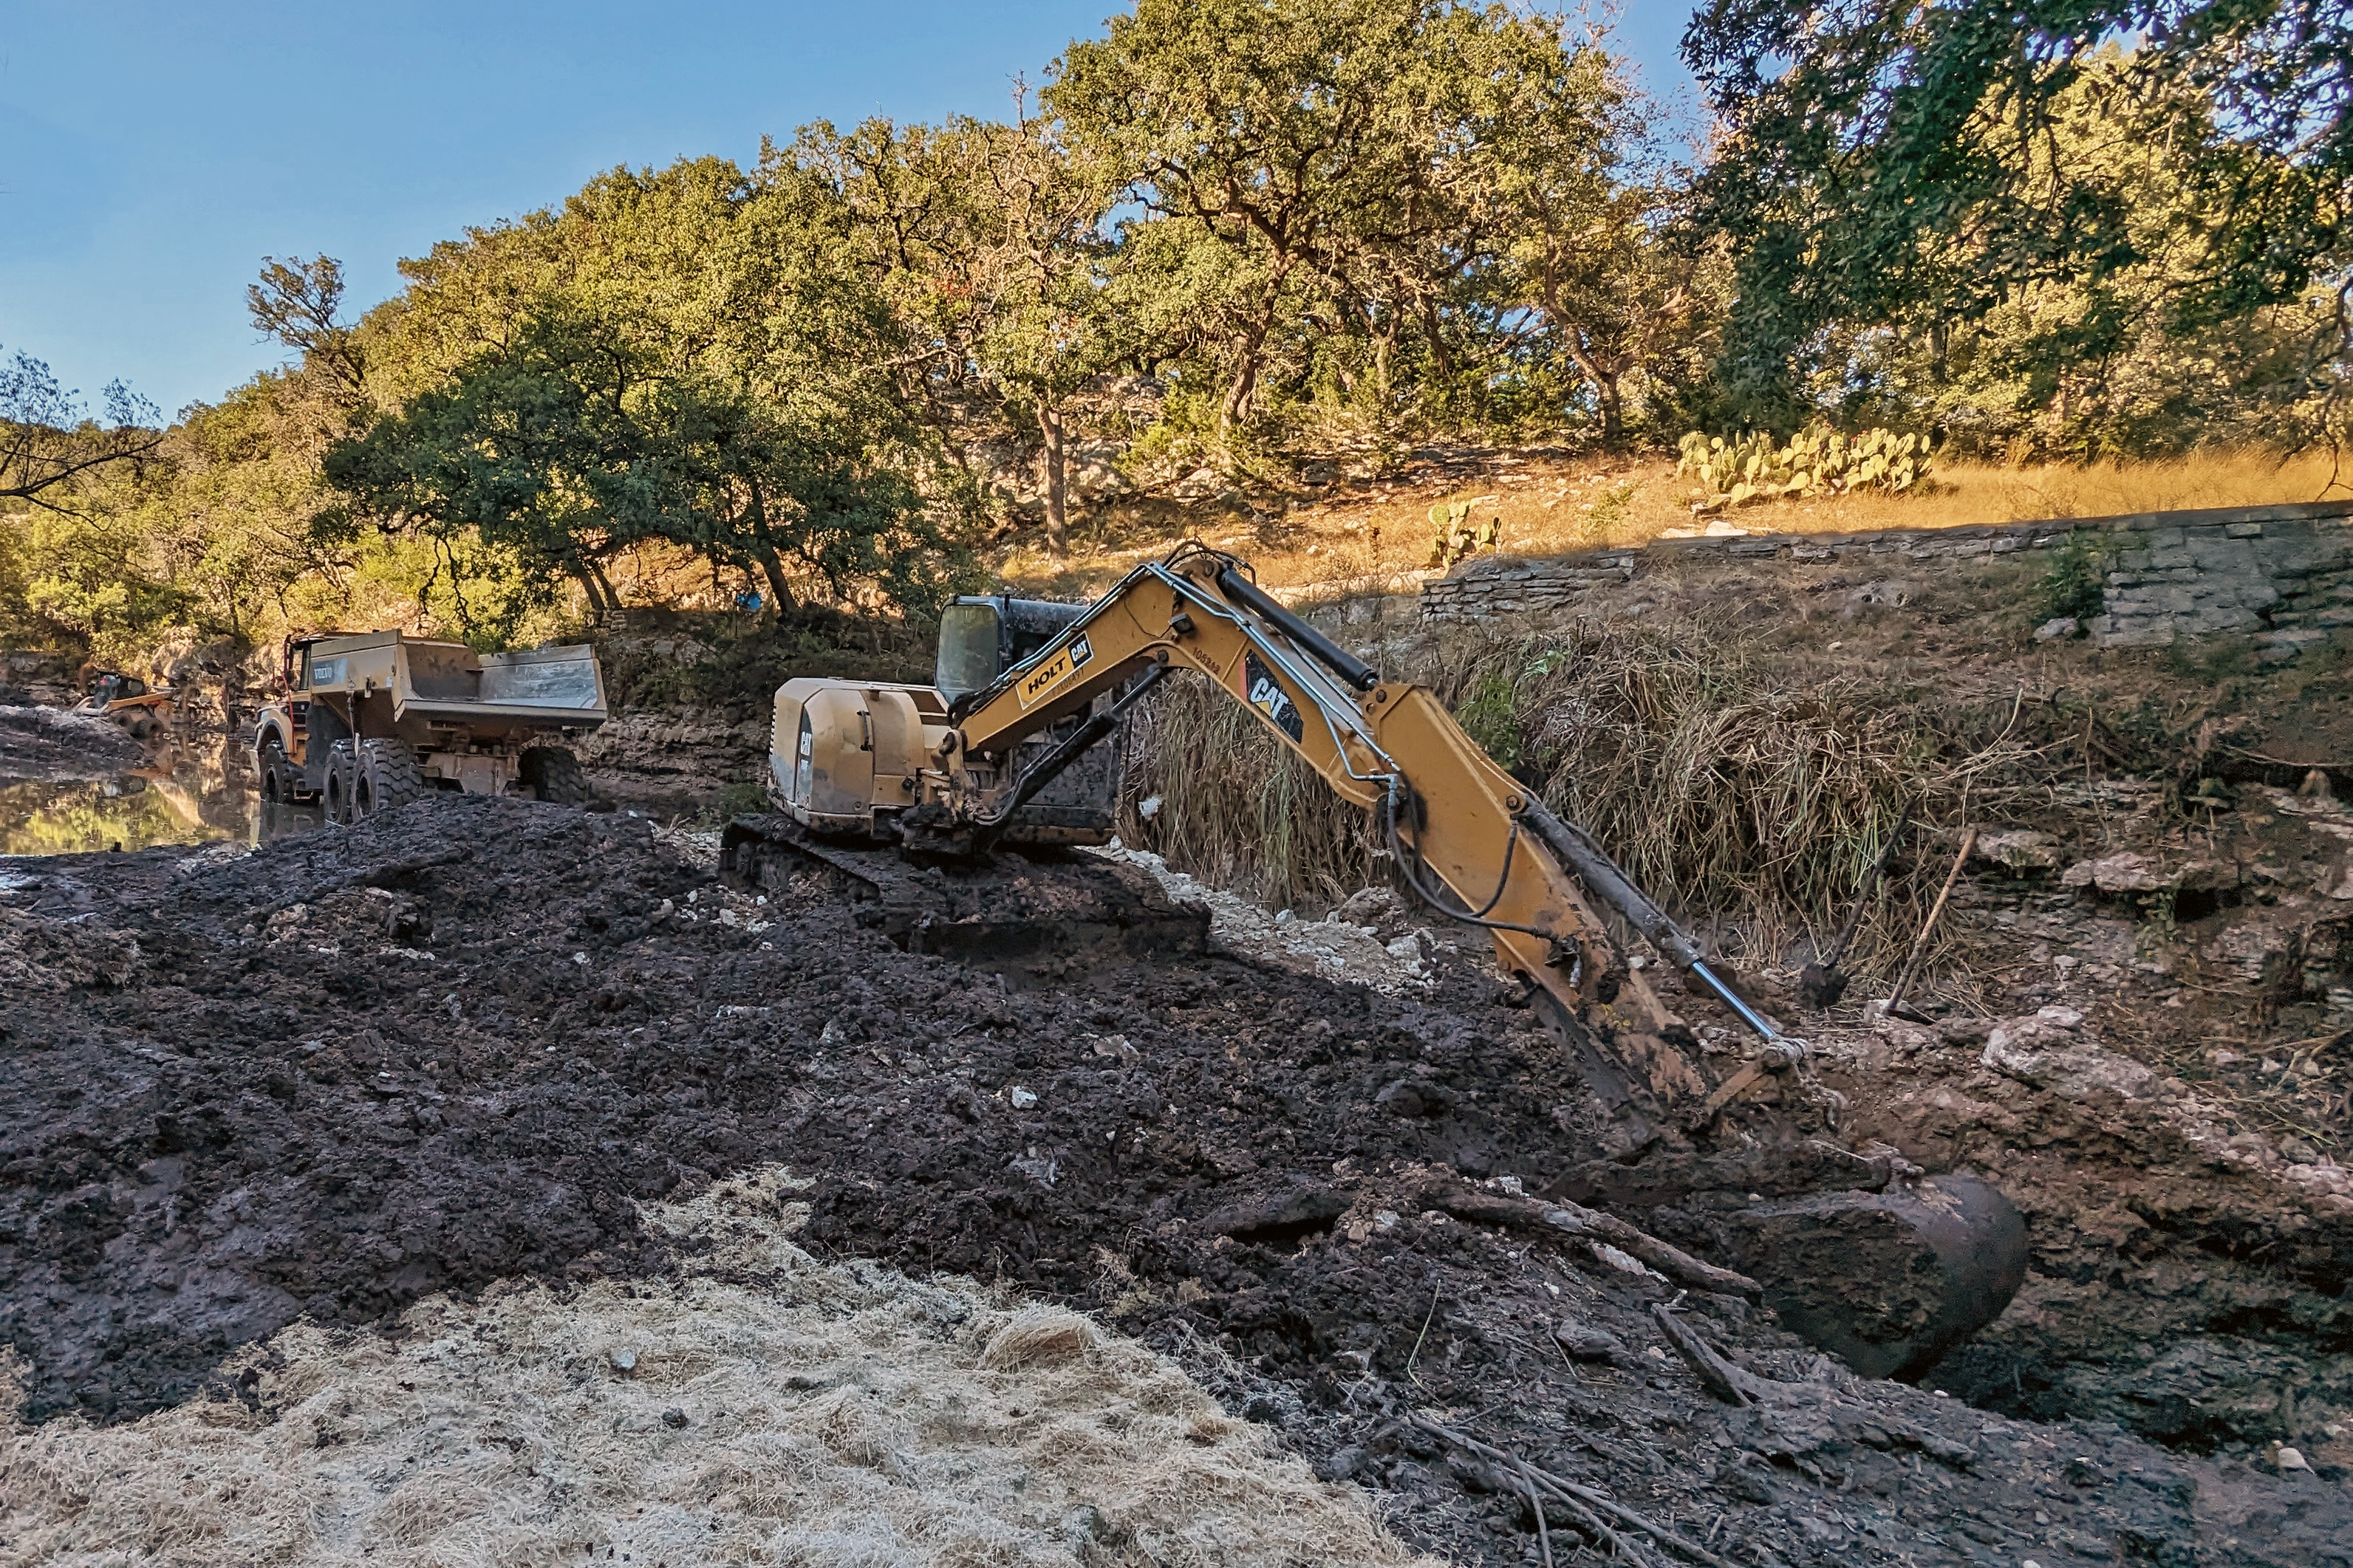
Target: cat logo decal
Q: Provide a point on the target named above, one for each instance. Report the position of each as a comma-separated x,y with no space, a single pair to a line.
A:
1263,692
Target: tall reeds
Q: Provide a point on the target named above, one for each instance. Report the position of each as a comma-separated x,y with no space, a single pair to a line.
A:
1745,803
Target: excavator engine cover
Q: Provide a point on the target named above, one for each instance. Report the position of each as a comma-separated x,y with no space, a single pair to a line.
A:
840,753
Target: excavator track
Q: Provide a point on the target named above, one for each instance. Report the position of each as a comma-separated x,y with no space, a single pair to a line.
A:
1039,912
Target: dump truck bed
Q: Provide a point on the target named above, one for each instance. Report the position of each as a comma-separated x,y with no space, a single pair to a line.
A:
550,687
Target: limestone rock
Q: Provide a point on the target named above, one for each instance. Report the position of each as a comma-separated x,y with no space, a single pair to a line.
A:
2134,873
2046,1053
2022,849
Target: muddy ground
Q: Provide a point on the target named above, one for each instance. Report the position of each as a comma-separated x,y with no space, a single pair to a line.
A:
42,744
453,1045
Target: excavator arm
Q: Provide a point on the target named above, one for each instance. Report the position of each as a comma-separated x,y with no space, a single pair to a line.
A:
1469,839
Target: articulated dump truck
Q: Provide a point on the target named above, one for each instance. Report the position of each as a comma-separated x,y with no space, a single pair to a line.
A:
369,721
956,816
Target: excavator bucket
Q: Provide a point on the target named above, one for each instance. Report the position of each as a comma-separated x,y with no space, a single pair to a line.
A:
1040,912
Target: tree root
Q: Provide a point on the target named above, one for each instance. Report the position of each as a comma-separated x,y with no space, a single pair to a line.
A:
1580,1501
1499,1208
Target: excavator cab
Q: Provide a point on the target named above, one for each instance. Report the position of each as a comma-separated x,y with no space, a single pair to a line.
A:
983,635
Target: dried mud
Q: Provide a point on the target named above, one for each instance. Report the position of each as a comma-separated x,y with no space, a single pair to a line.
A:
456,1043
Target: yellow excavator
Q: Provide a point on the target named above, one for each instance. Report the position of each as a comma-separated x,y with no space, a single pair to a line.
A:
1025,690
909,795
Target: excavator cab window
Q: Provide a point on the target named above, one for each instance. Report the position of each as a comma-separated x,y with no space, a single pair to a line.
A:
969,654
981,638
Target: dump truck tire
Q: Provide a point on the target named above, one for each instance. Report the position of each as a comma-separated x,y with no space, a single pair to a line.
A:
335,791
553,774
385,776
277,785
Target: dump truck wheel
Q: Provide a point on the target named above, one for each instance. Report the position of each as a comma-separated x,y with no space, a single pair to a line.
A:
276,788
384,776
553,774
342,778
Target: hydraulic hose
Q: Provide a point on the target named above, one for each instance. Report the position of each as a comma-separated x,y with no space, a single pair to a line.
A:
1409,866
1045,769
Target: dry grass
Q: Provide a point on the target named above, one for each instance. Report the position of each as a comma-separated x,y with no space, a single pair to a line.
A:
1237,810
1733,793
778,1411
1376,536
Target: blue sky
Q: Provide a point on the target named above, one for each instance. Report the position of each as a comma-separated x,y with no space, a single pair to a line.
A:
152,153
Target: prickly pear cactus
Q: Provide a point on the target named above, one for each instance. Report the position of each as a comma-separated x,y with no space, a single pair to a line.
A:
1816,462
1454,536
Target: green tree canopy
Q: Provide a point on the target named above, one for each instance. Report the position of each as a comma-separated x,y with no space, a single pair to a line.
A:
1886,162
1307,170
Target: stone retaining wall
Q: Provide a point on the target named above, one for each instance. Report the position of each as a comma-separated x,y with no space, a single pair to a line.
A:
2287,581
2283,575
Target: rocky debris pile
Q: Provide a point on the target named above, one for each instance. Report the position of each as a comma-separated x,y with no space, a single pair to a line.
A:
33,679
2186,1276
465,1041
1369,939
680,758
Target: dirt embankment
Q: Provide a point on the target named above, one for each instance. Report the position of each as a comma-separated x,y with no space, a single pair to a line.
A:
463,1043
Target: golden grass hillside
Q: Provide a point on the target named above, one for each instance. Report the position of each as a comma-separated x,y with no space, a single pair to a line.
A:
1374,535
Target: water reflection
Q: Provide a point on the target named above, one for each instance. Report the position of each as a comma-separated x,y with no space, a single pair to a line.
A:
72,816
274,820
194,791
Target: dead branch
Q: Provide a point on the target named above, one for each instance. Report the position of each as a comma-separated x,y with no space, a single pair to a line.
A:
1575,1220
1570,1492
1536,1507
1733,1384
1920,943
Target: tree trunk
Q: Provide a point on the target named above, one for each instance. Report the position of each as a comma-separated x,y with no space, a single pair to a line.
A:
763,551
582,574
1613,422
1437,336
773,571
1605,383
1239,396
1056,460
604,585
